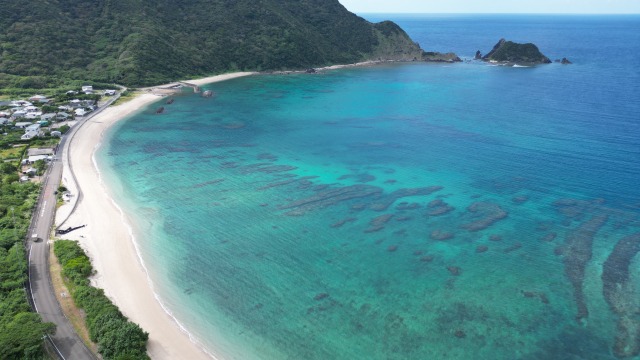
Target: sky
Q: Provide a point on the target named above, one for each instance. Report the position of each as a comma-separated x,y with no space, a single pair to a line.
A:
494,6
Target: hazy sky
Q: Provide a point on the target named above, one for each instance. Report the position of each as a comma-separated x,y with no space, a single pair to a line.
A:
494,6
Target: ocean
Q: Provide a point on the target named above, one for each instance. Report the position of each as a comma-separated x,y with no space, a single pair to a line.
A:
402,211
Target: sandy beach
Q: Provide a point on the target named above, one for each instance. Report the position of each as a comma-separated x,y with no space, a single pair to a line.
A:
108,238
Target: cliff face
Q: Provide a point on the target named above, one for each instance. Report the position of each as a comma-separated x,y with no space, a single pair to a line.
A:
142,42
508,51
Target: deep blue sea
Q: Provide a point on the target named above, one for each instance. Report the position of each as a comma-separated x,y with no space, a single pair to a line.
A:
403,211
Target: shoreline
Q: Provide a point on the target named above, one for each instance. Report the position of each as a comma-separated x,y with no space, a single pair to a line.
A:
108,239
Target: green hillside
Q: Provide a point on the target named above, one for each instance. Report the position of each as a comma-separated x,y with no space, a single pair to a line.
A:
143,42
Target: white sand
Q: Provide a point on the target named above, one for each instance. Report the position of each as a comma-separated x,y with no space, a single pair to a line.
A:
108,240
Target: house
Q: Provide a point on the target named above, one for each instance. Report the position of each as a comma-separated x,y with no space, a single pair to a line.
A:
80,112
29,135
87,89
109,92
61,116
39,98
31,131
24,179
4,121
32,127
71,92
30,172
22,124
20,103
75,103
65,108
18,114
48,117
56,133
34,158
31,116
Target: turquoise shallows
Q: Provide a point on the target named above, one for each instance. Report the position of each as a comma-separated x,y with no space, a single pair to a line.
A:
406,211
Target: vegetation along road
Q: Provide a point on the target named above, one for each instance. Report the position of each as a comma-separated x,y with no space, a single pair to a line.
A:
66,342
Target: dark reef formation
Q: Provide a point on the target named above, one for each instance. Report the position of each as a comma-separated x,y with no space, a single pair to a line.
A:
386,200
578,251
509,52
483,215
330,197
438,207
378,223
621,295
441,235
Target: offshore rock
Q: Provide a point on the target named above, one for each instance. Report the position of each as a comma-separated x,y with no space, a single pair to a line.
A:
509,52
578,253
478,55
565,61
619,293
440,57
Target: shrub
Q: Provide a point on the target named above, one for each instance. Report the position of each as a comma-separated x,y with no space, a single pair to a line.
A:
116,336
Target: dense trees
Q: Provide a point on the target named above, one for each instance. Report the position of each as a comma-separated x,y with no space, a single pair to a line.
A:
21,331
116,336
143,42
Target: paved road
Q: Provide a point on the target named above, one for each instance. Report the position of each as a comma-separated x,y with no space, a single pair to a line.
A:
66,342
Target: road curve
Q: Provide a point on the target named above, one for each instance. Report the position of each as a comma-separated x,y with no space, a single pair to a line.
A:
66,342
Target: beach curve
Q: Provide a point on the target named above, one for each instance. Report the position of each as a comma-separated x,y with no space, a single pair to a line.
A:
108,238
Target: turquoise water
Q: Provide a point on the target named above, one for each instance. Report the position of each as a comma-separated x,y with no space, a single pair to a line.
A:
408,211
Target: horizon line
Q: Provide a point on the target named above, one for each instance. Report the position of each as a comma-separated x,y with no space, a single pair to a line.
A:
492,13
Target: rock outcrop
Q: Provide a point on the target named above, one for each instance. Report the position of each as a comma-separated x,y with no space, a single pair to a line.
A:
440,57
510,52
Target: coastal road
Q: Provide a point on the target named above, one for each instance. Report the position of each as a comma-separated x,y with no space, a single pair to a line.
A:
65,341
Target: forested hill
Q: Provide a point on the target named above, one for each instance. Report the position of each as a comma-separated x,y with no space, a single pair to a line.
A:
143,42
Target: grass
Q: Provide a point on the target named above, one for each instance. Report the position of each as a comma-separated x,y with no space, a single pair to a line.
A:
71,311
126,96
12,153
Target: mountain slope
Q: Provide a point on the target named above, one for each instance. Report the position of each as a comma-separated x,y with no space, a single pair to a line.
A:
142,42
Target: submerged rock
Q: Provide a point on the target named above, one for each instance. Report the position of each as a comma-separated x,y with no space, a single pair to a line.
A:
619,292
441,235
578,253
484,214
378,223
454,270
439,207
329,198
385,201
